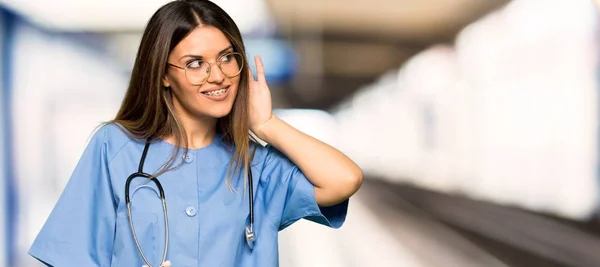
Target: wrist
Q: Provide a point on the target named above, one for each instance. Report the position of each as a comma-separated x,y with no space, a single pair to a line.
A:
264,130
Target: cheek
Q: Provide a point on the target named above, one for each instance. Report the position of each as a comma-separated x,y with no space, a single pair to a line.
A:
185,94
234,89
235,86
184,89
234,93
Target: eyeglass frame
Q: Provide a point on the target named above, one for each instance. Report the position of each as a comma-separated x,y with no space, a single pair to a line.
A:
210,64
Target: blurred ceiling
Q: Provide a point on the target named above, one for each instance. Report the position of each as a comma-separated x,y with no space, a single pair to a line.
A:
417,20
69,15
121,15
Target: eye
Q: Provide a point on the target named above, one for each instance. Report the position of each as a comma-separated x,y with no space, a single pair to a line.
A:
195,64
226,58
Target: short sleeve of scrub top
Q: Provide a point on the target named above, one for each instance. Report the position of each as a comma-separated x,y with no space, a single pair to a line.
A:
291,196
80,228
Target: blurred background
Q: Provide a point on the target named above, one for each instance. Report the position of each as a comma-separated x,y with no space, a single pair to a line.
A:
475,122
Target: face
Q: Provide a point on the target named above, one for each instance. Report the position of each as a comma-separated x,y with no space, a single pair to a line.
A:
215,96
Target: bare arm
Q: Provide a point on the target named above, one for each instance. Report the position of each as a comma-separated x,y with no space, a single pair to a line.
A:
335,176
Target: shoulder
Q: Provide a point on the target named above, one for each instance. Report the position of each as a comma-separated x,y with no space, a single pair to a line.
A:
111,138
268,156
271,162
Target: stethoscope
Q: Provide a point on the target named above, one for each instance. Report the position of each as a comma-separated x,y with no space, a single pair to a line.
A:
140,173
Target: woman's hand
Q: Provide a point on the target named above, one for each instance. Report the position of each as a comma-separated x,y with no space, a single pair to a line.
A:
260,111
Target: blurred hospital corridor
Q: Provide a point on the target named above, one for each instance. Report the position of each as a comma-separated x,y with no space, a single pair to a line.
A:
476,123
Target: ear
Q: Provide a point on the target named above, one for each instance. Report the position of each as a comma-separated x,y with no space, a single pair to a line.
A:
165,81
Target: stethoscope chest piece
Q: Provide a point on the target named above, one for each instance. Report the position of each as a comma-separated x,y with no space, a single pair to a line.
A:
250,236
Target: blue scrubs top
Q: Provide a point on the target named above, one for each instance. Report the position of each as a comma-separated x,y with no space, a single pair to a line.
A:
89,224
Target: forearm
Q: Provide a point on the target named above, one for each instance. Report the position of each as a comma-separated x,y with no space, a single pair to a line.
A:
335,176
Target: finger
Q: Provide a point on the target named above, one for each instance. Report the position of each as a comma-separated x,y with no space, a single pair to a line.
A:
260,70
250,75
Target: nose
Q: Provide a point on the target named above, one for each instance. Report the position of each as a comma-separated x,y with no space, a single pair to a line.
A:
215,75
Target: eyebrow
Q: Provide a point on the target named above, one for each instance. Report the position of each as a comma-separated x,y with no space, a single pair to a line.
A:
201,57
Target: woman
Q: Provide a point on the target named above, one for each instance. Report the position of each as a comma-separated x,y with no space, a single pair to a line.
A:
185,119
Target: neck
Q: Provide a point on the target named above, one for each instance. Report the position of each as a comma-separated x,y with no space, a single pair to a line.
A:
200,132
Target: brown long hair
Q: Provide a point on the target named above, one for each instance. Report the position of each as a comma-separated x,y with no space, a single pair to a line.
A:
147,110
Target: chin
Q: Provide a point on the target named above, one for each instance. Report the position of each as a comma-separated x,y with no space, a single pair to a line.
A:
218,112
220,115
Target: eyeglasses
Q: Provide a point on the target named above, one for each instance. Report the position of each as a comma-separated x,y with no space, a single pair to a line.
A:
197,71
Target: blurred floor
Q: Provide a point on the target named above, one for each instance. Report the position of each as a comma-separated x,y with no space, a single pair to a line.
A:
378,234
362,241
399,225
515,236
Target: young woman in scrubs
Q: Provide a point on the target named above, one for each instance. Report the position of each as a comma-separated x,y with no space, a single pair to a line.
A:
193,96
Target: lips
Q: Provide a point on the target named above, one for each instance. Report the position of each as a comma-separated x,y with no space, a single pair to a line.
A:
216,94
215,90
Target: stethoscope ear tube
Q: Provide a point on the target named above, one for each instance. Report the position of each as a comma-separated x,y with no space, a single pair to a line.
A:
161,192
165,262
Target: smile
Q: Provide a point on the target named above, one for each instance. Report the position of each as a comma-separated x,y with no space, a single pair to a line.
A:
216,92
